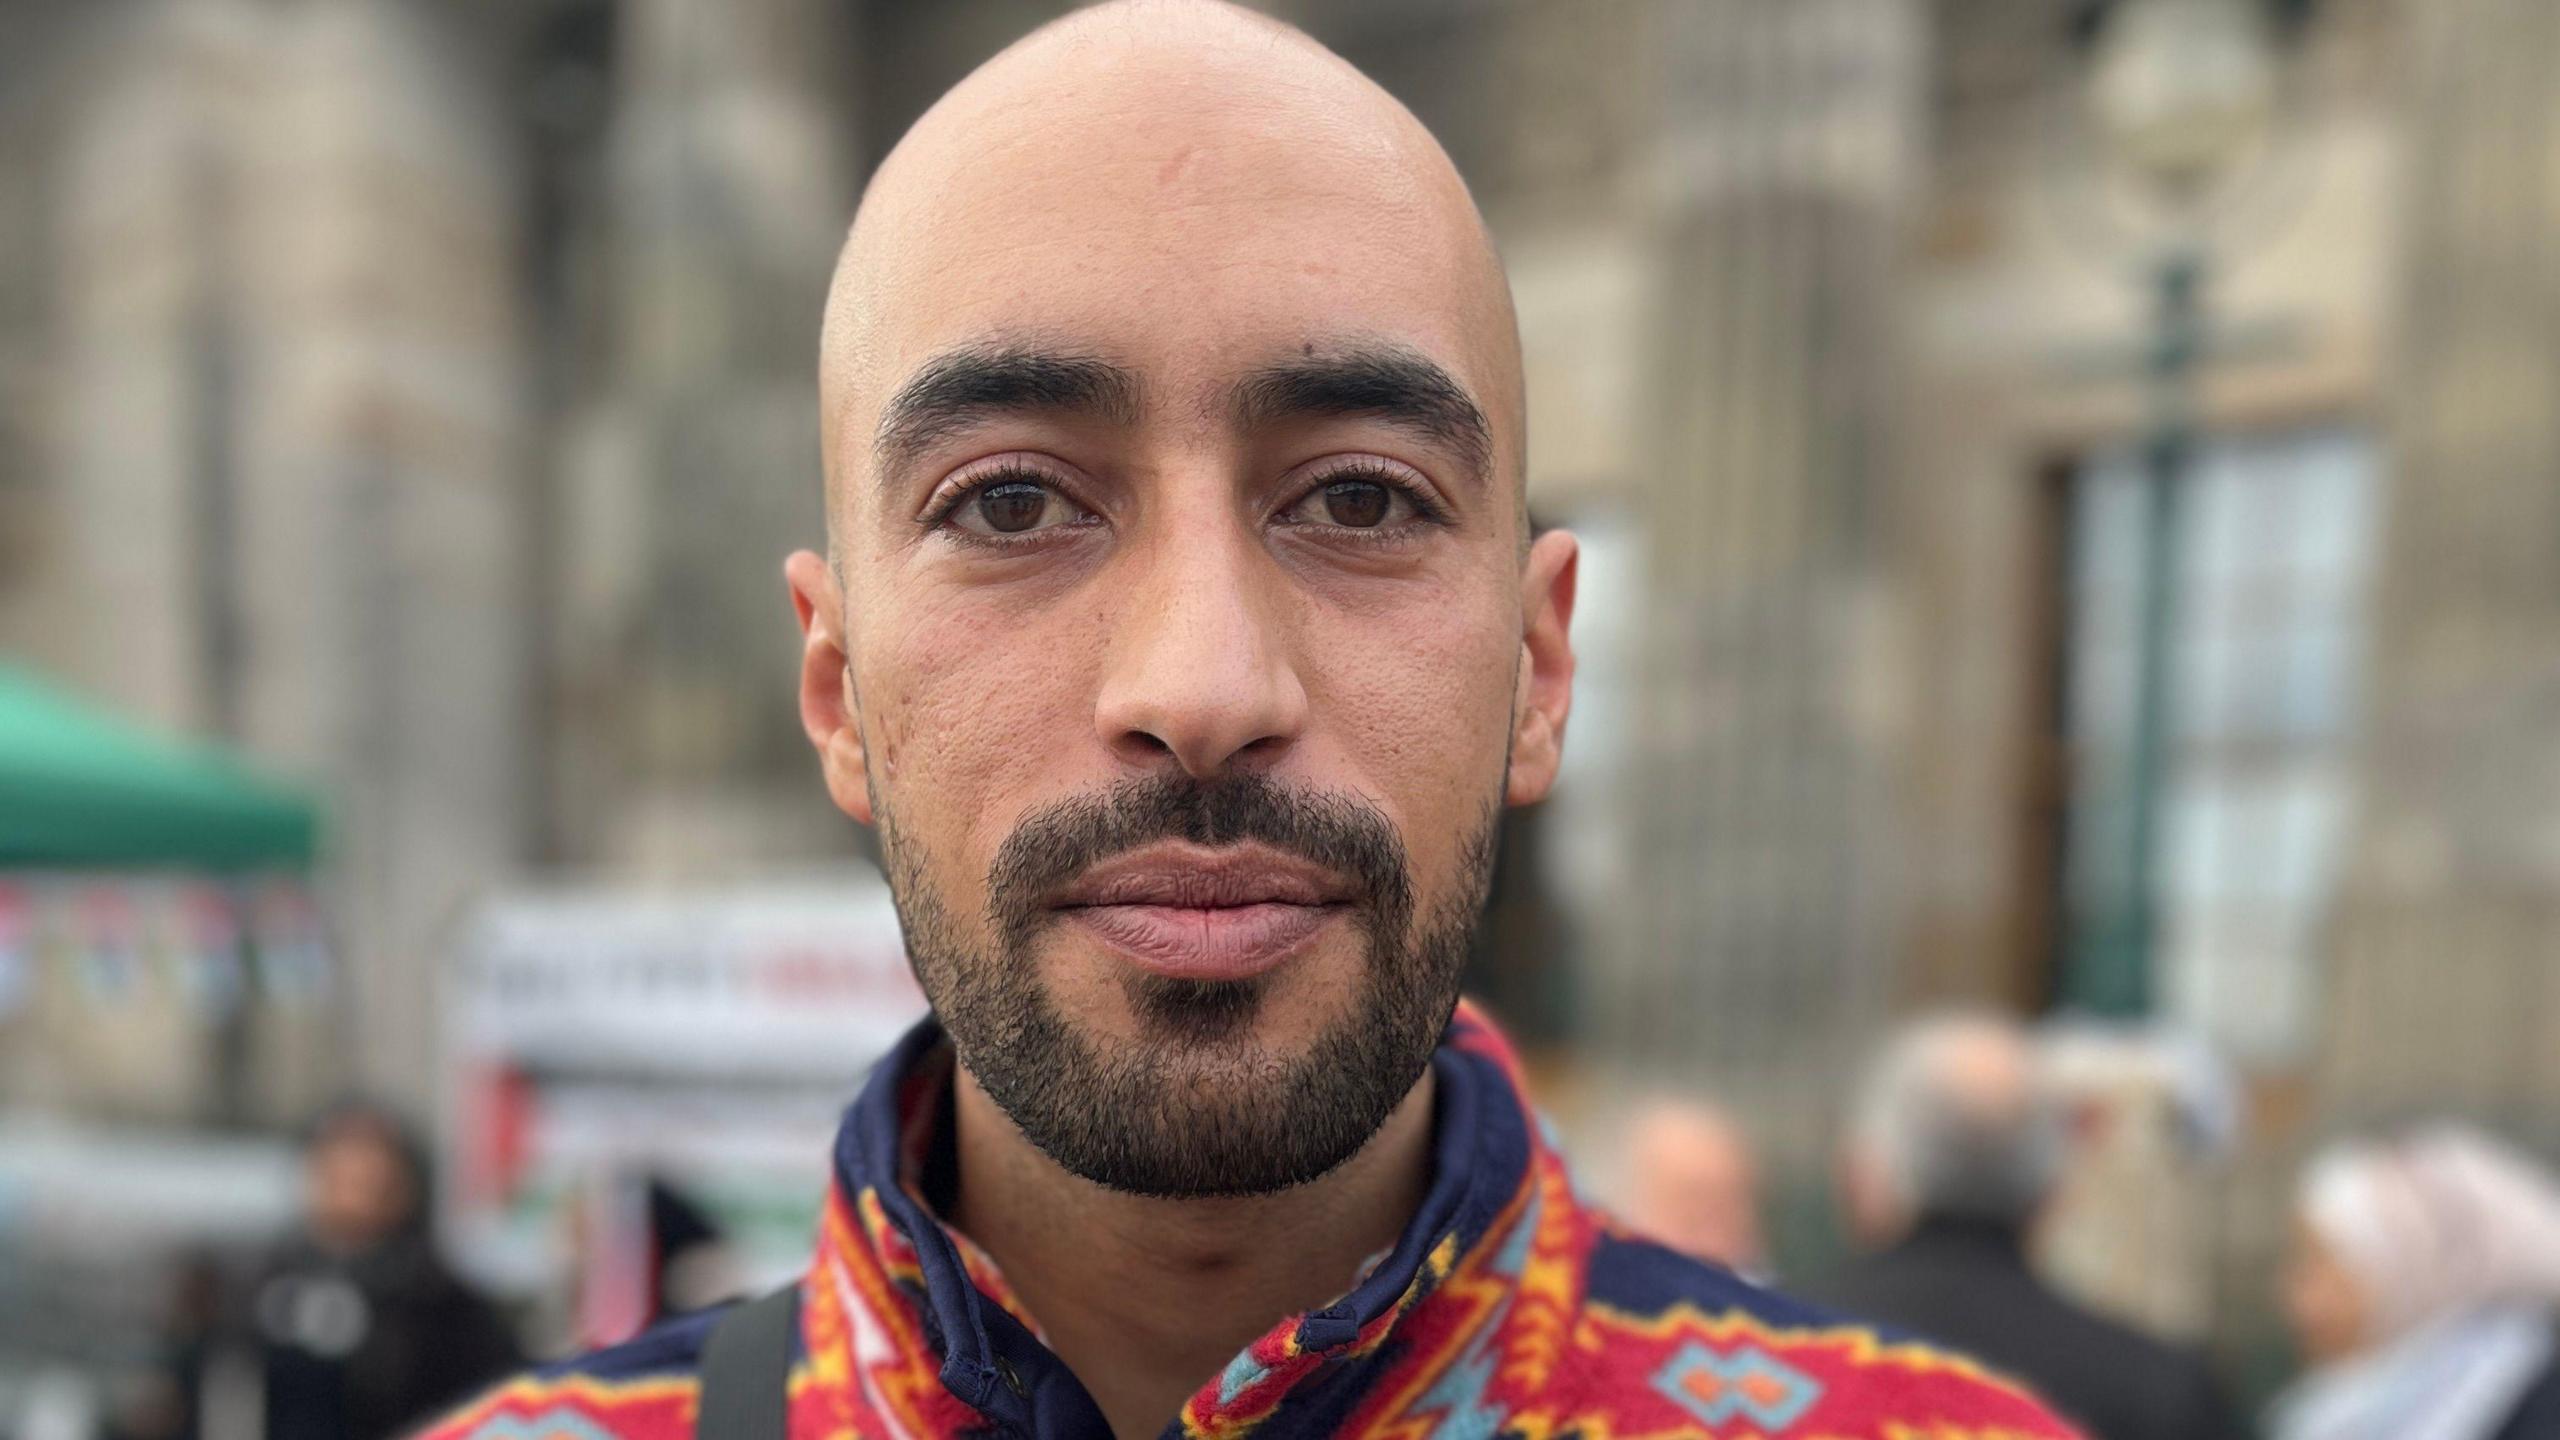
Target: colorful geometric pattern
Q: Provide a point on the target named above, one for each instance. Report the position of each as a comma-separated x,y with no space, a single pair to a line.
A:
1749,1383
552,1424
1509,1311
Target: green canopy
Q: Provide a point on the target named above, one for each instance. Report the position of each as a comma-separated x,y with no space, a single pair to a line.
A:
80,789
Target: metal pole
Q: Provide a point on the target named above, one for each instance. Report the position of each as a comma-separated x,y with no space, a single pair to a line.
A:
2123,984
213,344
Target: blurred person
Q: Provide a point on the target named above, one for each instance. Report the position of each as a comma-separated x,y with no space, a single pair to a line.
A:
693,1266
1957,1143
1182,634
168,1402
2421,1290
641,1251
1693,1183
362,1331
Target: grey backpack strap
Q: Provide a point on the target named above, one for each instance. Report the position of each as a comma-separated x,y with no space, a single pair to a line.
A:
746,1370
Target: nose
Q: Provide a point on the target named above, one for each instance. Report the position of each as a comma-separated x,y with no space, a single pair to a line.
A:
1200,666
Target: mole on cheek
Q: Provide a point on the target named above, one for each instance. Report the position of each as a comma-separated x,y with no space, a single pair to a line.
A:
887,722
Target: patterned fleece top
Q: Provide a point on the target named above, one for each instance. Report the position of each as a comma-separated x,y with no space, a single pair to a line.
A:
1509,1308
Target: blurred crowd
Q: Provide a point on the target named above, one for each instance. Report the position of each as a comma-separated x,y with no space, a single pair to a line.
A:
354,1325
2422,1286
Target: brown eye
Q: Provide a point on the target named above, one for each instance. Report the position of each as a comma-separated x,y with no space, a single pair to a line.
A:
999,502
1011,508
1373,501
1357,504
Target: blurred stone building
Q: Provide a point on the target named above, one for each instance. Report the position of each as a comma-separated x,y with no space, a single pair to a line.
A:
420,397
267,433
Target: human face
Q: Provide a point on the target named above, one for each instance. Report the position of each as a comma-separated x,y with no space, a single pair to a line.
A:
2323,1301
357,1188
1180,639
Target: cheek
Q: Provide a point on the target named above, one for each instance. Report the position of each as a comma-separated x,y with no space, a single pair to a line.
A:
970,708
1418,696
2300,1305
2325,1307
2343,1313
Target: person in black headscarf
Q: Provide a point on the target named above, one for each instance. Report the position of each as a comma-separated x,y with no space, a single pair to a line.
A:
361,1329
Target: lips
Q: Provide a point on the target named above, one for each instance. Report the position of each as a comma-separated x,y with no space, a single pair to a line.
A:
1192,913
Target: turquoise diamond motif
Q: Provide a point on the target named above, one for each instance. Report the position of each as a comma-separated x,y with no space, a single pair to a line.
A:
552,1424
1750,1383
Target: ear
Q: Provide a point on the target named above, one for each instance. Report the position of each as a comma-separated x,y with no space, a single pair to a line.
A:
1868,1208
1545,694
829,710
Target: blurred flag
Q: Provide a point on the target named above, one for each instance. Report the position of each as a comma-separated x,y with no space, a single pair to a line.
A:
206,954
615,1262
107,953
17,949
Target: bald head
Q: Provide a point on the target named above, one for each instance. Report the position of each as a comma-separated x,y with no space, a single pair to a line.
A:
1143,180
1956,1119
1692,1182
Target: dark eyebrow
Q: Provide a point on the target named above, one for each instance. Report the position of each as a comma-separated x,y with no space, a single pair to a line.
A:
1397,385
960,387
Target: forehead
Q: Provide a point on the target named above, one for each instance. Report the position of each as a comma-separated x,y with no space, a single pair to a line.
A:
1190,241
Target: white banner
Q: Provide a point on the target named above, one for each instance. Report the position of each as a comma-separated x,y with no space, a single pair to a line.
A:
707,1040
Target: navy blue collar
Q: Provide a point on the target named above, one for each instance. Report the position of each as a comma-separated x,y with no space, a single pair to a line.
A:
1481,1150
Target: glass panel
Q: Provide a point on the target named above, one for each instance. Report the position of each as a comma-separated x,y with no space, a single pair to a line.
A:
2273,553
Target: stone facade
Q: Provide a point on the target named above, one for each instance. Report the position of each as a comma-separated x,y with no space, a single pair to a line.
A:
724,177
2446,979
277,492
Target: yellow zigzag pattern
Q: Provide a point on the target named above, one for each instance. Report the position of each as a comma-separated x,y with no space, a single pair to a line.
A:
1543,1312
1863,1346
903,1383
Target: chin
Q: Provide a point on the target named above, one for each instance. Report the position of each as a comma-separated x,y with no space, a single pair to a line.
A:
1279,1016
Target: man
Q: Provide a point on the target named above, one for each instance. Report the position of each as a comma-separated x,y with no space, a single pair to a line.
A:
1957,1144
361,1332
1182,636
1691,1183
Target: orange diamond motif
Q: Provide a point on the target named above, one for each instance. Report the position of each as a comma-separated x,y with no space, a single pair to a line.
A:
1750,1383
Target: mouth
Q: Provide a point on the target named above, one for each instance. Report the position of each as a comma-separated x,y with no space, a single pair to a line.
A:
1192,913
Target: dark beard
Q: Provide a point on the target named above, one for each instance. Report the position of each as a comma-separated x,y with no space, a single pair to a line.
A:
1193,1108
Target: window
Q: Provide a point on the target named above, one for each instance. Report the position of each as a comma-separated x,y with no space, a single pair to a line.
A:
2271,551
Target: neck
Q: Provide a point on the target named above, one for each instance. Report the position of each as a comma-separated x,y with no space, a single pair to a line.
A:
1147,1299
